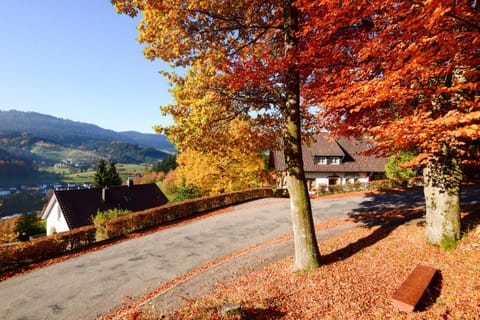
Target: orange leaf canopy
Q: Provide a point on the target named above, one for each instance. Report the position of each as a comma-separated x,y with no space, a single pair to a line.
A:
404,73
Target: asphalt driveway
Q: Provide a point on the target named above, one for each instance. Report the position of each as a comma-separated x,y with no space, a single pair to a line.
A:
98,282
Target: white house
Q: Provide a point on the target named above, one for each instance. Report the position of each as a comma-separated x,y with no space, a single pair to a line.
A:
332,162
70,209
53,213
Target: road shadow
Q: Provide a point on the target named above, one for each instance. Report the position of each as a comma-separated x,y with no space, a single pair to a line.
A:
390,210
375,203
388,222
471,218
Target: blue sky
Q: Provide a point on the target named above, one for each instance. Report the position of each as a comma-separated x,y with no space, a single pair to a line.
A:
78,60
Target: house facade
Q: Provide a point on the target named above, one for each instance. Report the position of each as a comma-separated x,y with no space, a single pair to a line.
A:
332,162
70,209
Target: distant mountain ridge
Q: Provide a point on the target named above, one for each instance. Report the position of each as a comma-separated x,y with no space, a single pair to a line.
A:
72,133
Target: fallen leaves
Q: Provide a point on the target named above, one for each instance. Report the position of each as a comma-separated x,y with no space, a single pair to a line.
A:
357,285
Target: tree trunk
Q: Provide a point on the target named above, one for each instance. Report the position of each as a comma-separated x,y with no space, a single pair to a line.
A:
307,254
442,197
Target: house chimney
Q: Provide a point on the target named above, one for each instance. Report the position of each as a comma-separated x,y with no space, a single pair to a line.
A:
130,182
105,194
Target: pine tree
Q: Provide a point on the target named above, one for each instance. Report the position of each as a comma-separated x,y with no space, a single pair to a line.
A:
113,178
106,176
100,178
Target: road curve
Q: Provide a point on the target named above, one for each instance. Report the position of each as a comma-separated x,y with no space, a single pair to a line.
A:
96,283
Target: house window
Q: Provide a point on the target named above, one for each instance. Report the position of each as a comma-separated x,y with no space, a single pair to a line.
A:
320,160
336,160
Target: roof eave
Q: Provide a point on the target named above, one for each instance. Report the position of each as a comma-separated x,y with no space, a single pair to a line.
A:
49,207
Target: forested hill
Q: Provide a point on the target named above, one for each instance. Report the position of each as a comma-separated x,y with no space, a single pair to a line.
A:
72,133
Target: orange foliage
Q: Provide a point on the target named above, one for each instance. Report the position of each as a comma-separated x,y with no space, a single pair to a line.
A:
170,182
406,74
149,176
7,230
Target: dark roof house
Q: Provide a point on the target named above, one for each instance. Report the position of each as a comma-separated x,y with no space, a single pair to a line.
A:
70,209
335,161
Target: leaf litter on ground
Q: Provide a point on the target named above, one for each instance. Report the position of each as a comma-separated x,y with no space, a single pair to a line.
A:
361,269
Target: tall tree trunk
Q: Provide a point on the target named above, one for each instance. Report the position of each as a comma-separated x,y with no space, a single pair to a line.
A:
307,254
442,179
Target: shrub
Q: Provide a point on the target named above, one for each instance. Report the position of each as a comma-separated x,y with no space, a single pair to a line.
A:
136,221
28,225
7,230
101,219
186,192
40,249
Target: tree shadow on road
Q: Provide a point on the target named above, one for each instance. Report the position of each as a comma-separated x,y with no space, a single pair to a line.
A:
375,203
387,210
471,217
388,222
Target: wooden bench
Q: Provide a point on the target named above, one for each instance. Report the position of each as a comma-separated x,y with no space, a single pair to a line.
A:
410,292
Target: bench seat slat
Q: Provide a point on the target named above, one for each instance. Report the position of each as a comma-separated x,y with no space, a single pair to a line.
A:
409,293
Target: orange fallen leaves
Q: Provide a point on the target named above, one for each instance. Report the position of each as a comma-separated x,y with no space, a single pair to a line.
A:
357,285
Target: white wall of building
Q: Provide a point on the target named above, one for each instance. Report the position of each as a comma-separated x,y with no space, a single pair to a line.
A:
55,220
329,179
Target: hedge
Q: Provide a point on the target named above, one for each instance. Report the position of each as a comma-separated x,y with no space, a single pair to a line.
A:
170,212
40,249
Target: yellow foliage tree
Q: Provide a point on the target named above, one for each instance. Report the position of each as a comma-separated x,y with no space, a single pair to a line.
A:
217,173
7,230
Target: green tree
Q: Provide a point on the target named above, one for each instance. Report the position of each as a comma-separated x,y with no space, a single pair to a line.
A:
106,176
393,168
28,225
186,192
113,178
167,164
100,177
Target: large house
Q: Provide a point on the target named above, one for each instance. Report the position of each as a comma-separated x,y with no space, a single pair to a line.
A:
332,162
70,209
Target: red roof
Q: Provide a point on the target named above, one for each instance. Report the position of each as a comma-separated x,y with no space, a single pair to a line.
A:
79,206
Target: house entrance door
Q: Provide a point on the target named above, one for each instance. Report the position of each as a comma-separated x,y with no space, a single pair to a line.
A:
333,182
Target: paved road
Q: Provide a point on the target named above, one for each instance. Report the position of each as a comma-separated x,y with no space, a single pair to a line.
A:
96,283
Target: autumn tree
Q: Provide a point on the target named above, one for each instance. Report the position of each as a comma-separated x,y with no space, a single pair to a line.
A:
7,230
244,56
403,73
407,75
214,174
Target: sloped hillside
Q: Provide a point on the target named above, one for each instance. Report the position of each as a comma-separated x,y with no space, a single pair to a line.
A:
72,133
46,139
